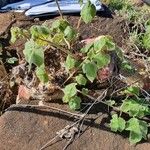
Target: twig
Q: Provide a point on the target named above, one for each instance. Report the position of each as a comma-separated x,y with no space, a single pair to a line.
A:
79,23
45,107
59,10
60,48
46,145
65,129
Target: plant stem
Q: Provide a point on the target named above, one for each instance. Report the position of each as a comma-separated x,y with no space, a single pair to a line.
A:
79,23
60,48
59,10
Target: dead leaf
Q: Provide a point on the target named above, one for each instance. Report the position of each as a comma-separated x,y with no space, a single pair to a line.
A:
23,93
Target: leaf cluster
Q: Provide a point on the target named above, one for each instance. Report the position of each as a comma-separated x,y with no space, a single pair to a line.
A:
96,56
137,110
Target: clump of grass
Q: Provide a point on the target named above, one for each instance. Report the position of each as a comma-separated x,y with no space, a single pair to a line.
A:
116,4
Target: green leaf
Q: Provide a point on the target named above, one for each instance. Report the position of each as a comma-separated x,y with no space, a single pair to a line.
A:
58,38
70,33
11,60
85,91
104,42
66,98
70,63
91,54
41,74
90,69
75,103
87,48
100,44
126,67
34,54
138,130
102,60
81,79
15,34
69,91
134,108
39,31
39,34
133,90
110,102
59,25
117,123
119,53
88,12
146,40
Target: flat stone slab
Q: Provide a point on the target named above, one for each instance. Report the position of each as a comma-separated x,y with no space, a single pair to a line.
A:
30,129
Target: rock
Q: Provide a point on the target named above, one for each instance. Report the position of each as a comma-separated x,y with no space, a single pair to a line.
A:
30,129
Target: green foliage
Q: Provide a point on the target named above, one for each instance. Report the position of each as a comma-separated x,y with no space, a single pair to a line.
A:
74,102
70,33
41,74
101,60
69,92
39,33
34,54
59,25
90,70
81,79
17,33
132,90
146,37
40,36
110,102
138,130
84,91
116,4
126,67
1,46
117,123
70,63
88,12
134,107
96,56
11,60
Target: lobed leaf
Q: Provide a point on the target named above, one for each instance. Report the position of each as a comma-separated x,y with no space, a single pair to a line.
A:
70,33
70,63
41,74
102,60
81,79
90,70
117,123
134,108
88,12
138,130
34,54
69,91
75,103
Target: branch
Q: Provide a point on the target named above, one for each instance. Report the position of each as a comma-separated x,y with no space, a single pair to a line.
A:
59,10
